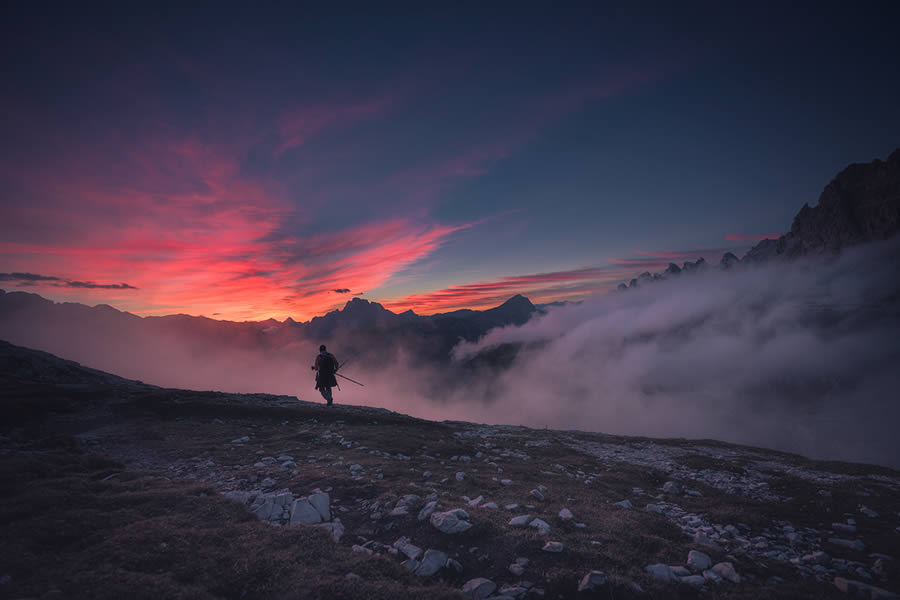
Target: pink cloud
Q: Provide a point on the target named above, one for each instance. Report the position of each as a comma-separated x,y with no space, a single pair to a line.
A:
299,125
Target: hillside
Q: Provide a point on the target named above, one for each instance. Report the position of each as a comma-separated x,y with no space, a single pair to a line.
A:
114,488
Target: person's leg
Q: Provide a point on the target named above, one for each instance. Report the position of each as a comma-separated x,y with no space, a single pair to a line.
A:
326,393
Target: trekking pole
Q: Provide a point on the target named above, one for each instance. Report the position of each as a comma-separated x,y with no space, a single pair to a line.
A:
348,379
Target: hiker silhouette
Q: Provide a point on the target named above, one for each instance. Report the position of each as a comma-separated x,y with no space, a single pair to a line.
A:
326,366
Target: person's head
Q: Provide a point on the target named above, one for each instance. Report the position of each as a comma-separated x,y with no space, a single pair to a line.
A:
322,348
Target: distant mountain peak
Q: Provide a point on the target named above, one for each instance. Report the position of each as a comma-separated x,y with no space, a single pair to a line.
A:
516,301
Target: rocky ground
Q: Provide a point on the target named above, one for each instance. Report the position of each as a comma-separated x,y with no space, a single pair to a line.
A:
114,488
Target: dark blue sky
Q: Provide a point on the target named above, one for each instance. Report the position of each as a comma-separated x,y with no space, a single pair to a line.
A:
250,161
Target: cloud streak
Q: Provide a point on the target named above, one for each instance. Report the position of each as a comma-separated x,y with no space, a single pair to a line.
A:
32,279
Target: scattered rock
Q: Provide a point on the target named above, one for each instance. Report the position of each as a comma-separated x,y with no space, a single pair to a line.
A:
335,528
592,581
856,545
725,570
479,588
410,564
542,526
427,510
520,521
626,504
537,494
698,561
241,440
451,521
432,562
566,515
858,589
672,487
816,558
660,571
694,580
506,482
460,475
553,547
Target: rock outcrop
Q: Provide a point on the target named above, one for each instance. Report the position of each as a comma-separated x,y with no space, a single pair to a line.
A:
860,205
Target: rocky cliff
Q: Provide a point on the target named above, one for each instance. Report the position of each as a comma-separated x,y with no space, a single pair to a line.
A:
860,205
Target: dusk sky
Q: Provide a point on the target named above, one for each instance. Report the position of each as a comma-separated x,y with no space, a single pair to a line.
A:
245,163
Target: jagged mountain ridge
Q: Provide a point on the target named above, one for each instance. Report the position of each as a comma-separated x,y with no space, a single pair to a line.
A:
860,205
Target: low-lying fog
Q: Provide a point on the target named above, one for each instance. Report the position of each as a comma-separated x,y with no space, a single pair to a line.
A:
803,357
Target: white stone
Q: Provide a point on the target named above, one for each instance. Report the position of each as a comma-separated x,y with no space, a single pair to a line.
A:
566,515
506,482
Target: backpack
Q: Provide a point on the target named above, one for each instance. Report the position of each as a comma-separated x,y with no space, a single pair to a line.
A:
328,365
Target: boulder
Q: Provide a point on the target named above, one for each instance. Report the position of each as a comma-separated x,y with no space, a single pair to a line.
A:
304,513
321,503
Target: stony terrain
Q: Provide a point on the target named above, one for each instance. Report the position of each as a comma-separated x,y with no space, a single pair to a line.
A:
112,488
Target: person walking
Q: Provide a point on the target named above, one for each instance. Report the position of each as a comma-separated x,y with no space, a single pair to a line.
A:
326,366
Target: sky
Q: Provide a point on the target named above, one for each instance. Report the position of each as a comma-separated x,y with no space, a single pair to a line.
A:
250,162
